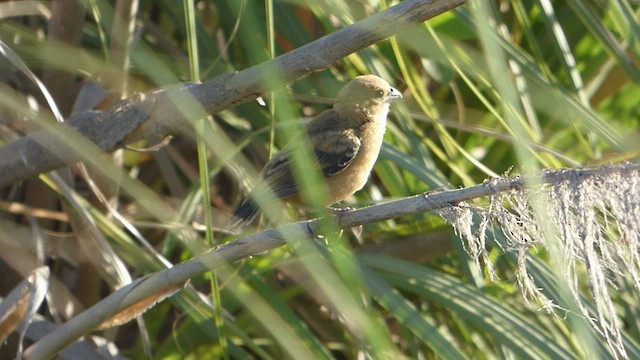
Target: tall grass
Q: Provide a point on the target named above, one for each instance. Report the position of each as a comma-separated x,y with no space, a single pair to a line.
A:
490,88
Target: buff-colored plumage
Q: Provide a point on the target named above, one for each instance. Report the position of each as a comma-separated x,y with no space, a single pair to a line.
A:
346,140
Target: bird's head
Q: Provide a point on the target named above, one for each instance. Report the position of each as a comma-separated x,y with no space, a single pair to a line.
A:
366,95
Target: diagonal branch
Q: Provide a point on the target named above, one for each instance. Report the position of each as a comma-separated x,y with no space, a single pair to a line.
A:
255,244
156,114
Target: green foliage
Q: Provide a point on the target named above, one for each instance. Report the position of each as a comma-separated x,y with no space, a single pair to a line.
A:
491,87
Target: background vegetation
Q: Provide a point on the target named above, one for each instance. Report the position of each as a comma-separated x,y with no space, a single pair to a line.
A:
490,88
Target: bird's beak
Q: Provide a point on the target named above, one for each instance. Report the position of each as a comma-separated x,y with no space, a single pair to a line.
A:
394,94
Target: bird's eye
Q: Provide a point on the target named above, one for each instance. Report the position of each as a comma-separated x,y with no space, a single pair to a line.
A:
379,93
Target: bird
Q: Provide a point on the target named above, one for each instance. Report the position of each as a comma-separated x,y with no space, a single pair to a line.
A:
345,139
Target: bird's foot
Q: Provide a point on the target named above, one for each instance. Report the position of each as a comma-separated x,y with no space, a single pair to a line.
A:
357,230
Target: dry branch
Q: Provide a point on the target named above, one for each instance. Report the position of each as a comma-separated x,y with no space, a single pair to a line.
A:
155,114
267,240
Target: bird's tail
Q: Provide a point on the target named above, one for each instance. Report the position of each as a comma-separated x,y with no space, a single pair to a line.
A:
246,212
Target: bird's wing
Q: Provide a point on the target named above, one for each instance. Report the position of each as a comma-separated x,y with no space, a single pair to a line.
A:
336,151
334,142
334,146
277,174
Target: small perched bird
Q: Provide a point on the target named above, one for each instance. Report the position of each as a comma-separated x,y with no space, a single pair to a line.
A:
346,140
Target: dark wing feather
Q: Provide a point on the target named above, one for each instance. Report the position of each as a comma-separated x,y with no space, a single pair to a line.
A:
246,212
332,163
277,175
335,144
